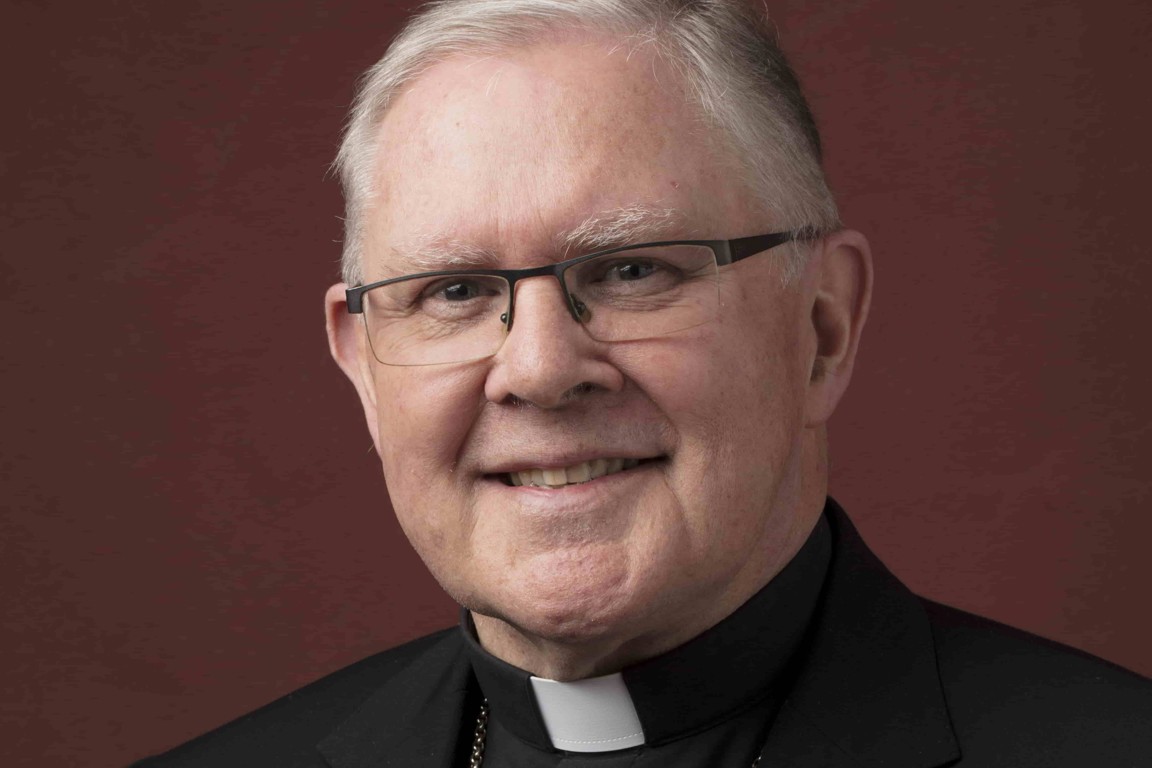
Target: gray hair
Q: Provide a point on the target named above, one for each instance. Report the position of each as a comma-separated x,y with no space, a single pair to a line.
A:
724,51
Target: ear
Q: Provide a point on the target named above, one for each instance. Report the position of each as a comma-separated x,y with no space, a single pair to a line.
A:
842,294
349,348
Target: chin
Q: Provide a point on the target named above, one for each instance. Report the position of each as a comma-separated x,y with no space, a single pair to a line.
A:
567,599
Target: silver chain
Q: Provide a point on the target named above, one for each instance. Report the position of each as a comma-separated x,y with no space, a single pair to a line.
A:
480,738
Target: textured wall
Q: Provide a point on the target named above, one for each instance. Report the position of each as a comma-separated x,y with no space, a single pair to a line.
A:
193,521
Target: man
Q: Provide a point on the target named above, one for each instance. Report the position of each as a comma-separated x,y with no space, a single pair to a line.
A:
599,308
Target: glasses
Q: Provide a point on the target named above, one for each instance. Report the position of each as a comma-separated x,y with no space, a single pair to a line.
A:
623,294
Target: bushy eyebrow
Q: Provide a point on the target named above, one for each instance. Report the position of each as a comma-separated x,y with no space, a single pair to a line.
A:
613,228
630,225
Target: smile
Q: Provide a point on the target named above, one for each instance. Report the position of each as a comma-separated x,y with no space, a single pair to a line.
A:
559,477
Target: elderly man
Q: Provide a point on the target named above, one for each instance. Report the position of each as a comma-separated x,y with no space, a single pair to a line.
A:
599,308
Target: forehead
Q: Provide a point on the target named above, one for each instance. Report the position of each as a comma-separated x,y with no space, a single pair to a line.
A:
503,153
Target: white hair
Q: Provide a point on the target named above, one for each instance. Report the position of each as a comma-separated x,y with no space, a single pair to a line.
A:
724,51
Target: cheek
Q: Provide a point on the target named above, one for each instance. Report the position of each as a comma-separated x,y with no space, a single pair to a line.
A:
733,396
722,382
762,394
424,416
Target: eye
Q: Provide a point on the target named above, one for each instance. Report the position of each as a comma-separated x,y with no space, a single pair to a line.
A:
459,291
456,290
459,297
627,275
630,270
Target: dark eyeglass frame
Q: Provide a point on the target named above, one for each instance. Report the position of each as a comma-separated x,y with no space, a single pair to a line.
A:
726,252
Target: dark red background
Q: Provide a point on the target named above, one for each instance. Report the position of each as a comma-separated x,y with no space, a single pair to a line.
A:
194,523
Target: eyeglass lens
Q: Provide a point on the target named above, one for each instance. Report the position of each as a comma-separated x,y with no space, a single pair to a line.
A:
624,296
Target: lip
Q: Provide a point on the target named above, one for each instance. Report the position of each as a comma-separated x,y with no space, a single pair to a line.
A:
560,461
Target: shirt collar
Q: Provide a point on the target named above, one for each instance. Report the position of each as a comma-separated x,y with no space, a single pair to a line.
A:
743,659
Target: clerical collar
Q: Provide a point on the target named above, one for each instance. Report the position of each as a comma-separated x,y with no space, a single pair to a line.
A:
743,660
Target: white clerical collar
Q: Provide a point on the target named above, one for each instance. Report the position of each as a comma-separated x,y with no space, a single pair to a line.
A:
593,715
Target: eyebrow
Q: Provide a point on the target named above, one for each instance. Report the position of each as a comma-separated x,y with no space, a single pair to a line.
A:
629,225
437,253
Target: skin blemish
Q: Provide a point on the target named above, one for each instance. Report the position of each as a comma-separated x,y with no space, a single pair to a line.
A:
675,185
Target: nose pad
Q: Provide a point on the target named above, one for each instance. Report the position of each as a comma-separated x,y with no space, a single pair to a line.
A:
579,310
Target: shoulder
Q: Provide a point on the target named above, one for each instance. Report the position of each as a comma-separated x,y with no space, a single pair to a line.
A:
286,730
1018,699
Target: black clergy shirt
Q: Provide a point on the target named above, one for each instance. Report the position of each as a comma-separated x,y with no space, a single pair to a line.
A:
872,675
712,701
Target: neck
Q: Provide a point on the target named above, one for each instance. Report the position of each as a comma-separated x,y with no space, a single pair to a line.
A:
565,660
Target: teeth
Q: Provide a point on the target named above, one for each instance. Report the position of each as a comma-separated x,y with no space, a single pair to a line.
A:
577,473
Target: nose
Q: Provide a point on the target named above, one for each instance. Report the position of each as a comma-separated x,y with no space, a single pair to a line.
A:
547,357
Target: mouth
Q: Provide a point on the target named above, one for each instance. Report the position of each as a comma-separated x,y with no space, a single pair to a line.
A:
576,474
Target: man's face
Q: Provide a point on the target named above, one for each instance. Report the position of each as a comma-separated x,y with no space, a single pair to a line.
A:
501,155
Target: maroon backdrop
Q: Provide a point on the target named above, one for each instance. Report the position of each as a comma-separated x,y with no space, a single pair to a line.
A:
194,522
